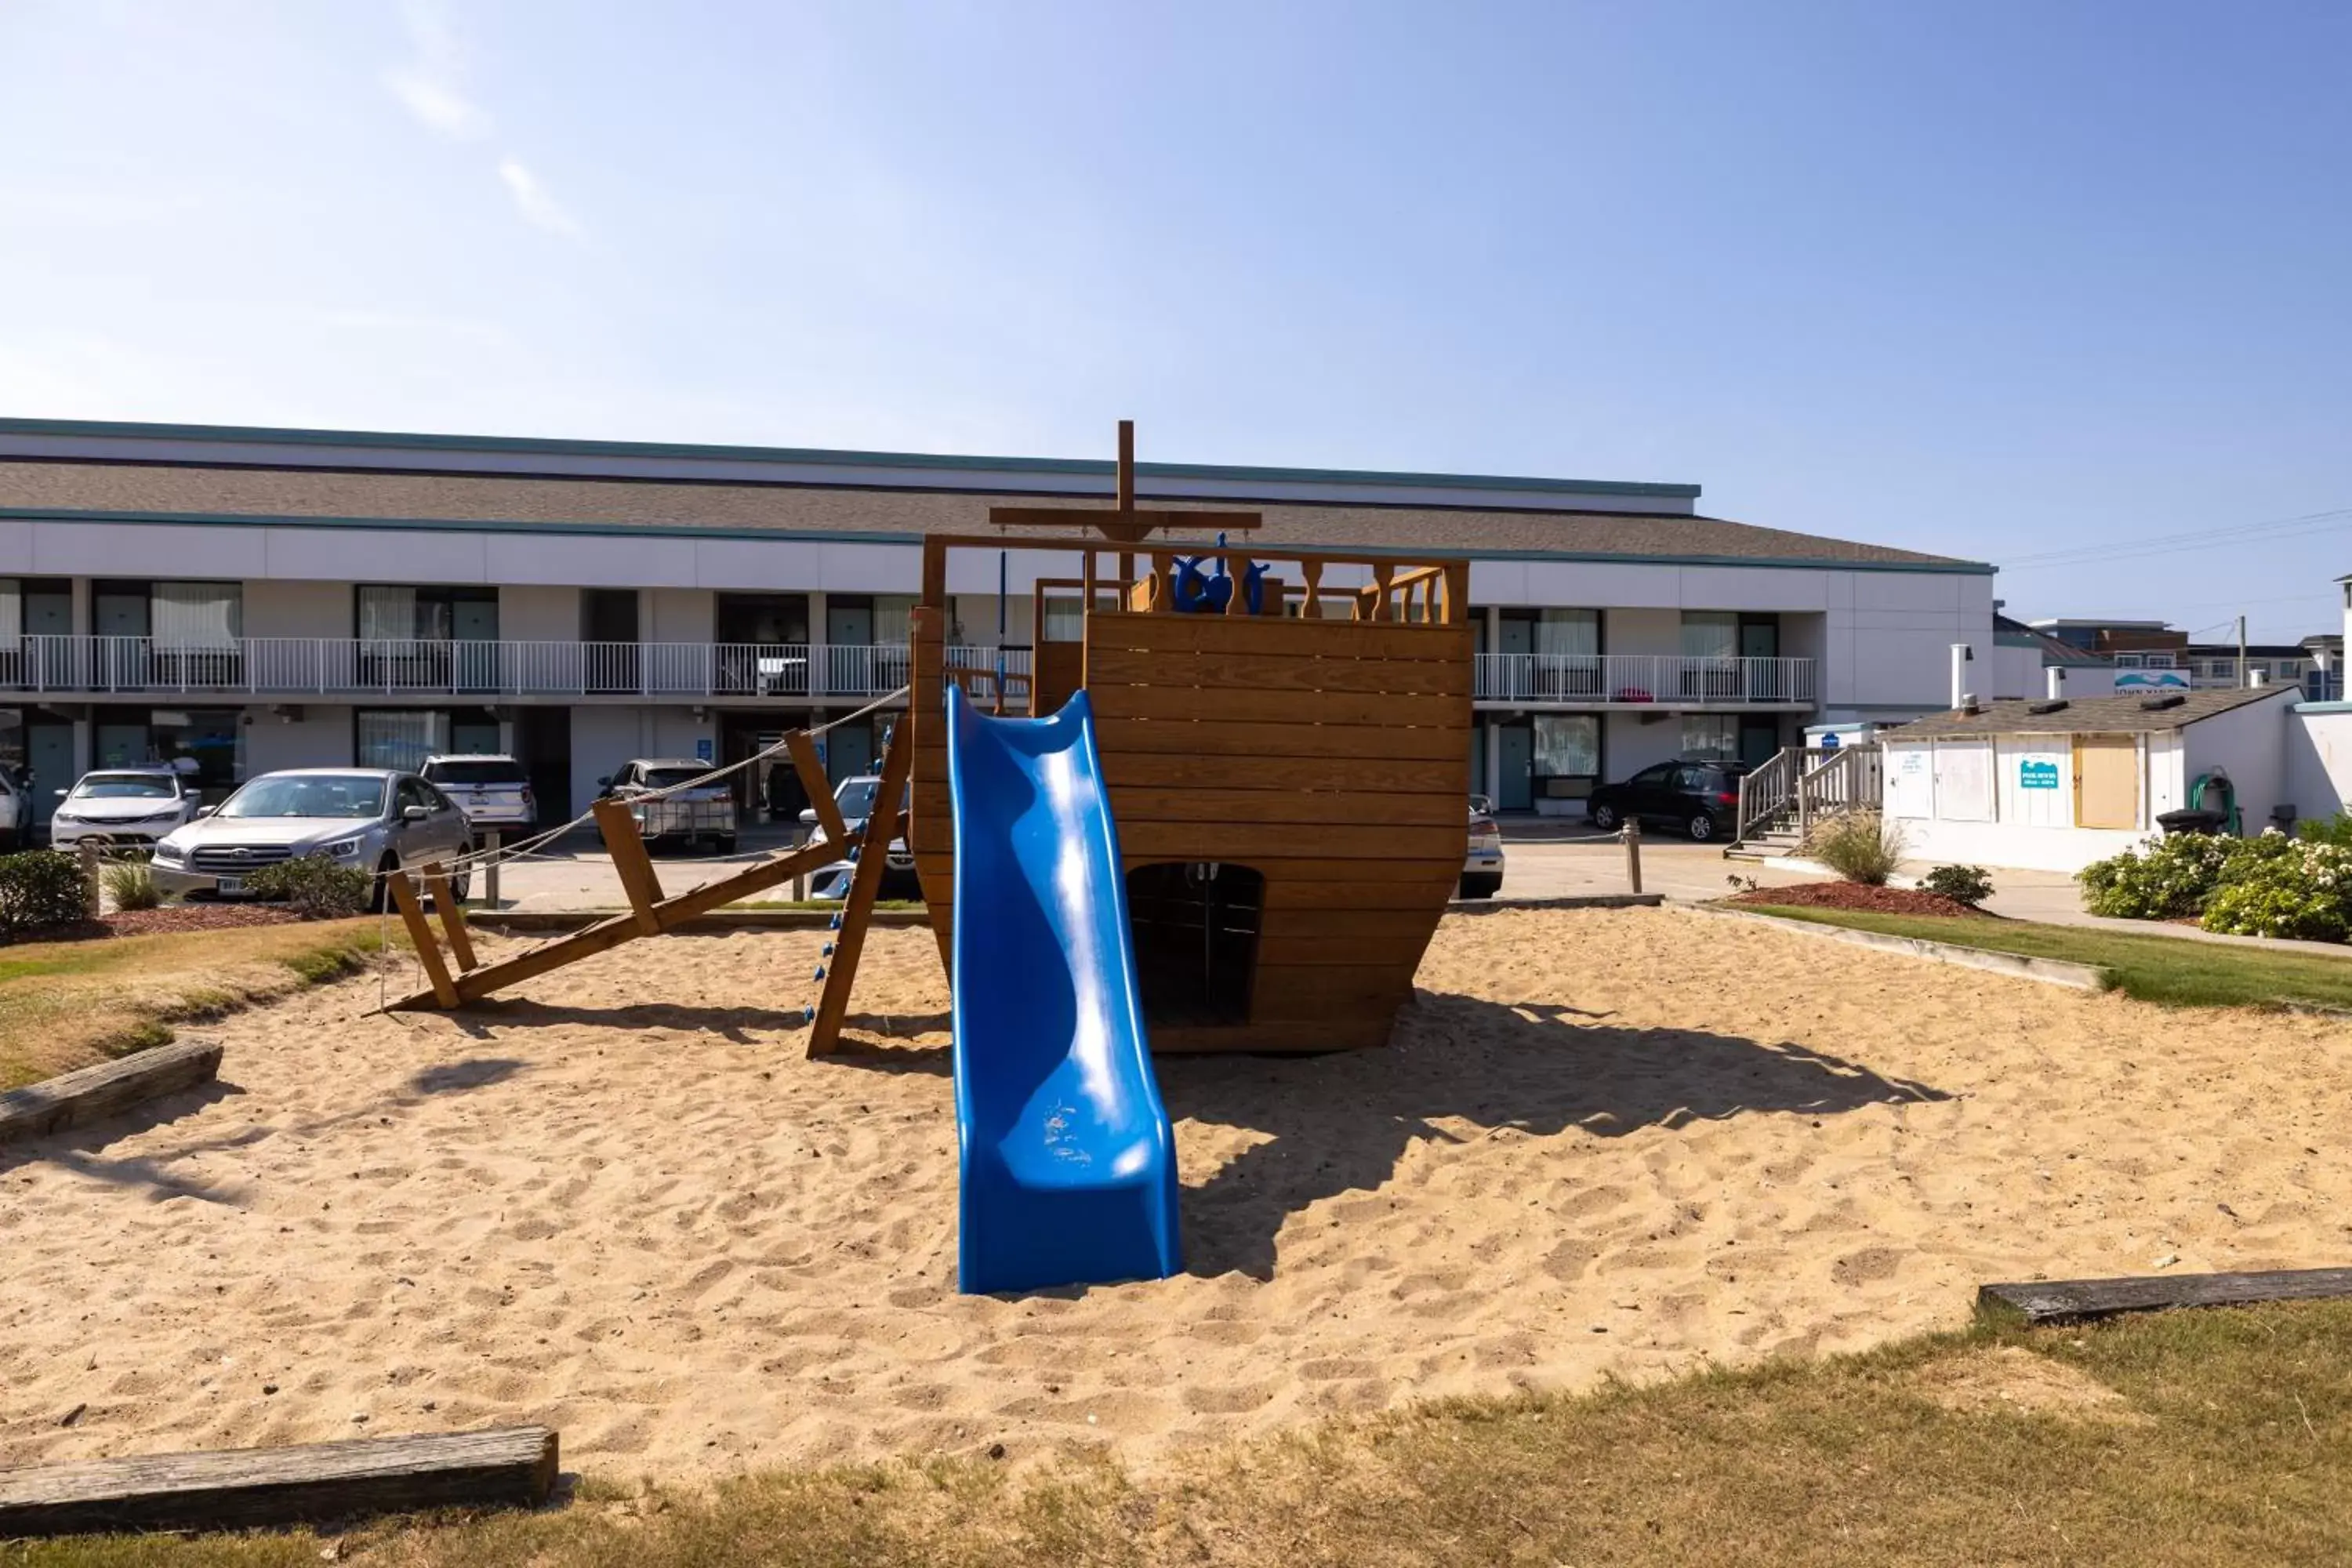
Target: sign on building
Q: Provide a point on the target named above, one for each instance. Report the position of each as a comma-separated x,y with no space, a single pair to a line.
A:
2036,773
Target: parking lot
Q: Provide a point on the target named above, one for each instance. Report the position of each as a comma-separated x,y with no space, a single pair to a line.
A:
579,875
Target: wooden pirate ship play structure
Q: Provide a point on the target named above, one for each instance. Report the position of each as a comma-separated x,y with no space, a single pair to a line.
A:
1285,738
1286,741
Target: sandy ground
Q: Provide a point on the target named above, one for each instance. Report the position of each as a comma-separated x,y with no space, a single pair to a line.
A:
625,1206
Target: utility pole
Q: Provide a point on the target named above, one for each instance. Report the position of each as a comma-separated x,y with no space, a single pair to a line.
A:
2242,651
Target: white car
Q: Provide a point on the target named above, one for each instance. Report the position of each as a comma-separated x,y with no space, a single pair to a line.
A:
123,808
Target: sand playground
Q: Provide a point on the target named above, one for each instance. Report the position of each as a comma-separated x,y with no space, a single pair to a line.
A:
622,1203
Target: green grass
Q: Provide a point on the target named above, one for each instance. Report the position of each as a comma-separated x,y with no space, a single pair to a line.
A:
2174,971
2191,1437
69,1004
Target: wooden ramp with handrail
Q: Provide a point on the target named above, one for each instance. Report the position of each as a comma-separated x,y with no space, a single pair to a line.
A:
651,912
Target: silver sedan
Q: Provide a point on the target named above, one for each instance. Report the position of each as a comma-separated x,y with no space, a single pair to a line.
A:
372,818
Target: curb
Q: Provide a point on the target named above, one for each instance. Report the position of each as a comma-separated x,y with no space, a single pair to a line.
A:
1564,901
2048,971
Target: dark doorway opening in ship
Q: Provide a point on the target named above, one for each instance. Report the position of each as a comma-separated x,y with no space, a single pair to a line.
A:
1196,930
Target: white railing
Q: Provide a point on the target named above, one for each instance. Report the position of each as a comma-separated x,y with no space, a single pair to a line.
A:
373,666
1589,680
1805,784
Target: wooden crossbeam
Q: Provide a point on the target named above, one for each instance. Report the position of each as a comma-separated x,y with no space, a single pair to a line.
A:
669,914
1130,527
630,862
453,918
819,788
865,885
420,934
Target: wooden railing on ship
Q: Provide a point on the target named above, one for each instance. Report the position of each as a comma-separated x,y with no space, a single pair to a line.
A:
1424,592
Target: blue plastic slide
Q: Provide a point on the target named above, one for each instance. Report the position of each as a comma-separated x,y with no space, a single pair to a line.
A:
1069,1163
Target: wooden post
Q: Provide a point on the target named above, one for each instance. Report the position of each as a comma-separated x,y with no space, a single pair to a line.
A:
1382,574
1125,475
857,904
935,573
1313,572
1633,836
453,919
428,952
94,885
819,788
491,869
636,867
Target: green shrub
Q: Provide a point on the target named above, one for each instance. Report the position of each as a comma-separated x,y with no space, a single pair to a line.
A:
2169,879
40,890
2277,886
1858,845
314,887
1966,885
2336,829
131,885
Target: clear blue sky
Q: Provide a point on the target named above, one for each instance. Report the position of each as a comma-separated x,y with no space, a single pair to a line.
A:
1994,279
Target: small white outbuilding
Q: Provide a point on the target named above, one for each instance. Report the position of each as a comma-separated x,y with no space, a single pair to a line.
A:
2056,784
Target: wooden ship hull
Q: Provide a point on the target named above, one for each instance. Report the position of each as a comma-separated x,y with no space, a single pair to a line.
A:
1290,790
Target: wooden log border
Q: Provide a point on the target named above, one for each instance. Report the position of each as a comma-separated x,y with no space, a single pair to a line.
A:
93,1093
244,1489
2087,1300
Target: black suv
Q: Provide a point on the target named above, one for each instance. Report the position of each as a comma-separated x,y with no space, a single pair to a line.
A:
1700,798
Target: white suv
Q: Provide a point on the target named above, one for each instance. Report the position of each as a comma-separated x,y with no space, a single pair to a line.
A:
492,791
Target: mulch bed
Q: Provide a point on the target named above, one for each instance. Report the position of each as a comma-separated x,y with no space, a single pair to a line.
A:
197,917
1856,896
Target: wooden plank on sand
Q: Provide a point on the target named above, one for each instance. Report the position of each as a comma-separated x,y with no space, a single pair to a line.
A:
2082,1300
239,1488
91,1093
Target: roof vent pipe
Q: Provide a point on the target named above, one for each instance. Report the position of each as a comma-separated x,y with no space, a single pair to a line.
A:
1962,653
2055,678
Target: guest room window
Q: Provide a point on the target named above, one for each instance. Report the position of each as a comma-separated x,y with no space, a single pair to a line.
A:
1710,737
206,615
1566,761
1710,634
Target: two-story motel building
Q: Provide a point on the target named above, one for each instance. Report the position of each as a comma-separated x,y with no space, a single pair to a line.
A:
259,599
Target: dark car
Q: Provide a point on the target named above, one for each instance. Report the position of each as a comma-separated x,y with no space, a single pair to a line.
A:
1702,799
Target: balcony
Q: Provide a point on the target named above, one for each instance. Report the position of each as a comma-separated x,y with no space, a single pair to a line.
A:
293,669
1581,681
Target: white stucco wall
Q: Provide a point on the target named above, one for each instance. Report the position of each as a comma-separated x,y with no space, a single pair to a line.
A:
321,738
2250,745
2319,758
279,608
680,614
531,612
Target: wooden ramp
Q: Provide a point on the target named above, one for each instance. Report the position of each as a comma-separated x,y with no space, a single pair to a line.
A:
241,1488
651,912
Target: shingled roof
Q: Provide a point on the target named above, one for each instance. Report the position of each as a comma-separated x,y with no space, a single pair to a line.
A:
139,492
2133,714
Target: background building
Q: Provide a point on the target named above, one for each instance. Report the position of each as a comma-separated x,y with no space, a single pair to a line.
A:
259,599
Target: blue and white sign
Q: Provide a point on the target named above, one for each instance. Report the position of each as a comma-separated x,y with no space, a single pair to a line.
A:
702,753
2034,774
2151,680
